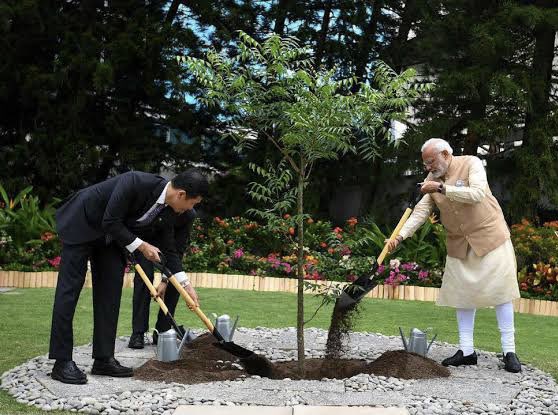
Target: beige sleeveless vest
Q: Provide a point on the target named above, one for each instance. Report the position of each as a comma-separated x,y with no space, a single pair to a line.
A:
480,225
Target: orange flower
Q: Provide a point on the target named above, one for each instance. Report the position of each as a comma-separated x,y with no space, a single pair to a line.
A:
47,236
331,251
323,244
310,221
292,230
230,242
352,221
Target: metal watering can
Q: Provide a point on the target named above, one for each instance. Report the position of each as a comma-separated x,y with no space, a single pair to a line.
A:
224,325
417,342
168,347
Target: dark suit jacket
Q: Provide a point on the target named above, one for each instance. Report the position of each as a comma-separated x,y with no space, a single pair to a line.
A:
112,208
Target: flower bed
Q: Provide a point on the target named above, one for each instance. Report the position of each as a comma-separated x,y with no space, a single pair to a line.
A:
241,246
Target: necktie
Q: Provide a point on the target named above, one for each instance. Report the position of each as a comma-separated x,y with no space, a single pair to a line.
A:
151,215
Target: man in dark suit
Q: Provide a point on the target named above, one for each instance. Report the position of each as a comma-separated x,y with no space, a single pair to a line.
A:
142,297
97,223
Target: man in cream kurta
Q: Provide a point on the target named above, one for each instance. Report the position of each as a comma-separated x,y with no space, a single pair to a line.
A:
481,269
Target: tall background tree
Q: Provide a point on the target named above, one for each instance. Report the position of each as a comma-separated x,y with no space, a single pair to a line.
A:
88,93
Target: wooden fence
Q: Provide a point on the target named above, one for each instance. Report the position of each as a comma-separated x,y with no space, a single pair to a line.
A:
255,283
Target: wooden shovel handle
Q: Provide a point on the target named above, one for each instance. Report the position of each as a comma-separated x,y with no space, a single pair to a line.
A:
191,303
151,288
394,234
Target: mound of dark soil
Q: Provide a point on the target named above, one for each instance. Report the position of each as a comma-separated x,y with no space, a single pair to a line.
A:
202,361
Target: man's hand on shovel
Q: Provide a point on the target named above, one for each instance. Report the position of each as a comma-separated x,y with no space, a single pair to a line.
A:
193,295
162,288
393,243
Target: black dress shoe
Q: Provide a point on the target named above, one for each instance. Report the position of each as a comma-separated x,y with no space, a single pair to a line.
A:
136,341
111,367
458,359
512,363
66,371
155,337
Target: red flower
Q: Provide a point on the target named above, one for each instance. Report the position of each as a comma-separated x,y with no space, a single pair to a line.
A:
286,216
292,230
55,262
323,244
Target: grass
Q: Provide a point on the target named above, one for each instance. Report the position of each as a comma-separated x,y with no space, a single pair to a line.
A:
25,324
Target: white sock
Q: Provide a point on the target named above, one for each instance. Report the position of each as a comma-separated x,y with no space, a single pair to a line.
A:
466,326
504,315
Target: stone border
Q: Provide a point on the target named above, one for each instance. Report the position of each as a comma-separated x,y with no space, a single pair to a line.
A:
482,389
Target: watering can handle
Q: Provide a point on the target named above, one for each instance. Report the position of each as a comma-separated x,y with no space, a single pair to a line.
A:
432,341
403,339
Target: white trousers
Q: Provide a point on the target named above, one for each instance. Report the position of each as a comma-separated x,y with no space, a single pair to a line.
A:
466,325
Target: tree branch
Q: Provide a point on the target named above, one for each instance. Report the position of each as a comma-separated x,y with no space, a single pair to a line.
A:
282,150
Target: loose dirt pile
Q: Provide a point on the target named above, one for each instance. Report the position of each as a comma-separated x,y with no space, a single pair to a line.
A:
202,361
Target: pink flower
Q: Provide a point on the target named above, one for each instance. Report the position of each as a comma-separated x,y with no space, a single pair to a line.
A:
409,266
423,275
287,267
239,253
402,277
381,269
253,272
345,250
55,262
351,278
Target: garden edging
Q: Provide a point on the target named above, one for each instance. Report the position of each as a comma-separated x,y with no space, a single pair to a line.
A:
19,279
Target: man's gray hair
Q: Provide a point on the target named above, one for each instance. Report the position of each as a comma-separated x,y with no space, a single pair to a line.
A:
438,144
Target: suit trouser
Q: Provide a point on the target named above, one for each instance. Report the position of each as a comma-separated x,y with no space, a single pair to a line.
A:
142,299
107,271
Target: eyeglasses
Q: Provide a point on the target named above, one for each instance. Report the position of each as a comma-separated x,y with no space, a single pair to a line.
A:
430,162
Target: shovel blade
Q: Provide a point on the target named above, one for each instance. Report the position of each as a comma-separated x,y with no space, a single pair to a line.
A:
253,363
354,292
235,349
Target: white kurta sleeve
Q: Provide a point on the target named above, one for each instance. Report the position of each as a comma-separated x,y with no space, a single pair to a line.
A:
476,191
420,214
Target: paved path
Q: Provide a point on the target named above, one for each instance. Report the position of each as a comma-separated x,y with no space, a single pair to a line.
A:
485,388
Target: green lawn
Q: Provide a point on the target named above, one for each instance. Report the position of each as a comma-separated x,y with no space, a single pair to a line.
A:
25,324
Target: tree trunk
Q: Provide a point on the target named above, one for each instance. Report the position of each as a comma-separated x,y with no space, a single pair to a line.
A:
300,270
173,10
535,161
541,74
368,40
473,139
281,16
407,18
320,44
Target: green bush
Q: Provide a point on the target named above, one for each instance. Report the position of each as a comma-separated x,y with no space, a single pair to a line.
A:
28,238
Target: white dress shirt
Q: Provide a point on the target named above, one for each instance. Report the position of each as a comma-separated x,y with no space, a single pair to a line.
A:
180,276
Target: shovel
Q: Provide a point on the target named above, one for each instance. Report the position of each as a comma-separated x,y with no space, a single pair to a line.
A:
253,363
179,329
354,292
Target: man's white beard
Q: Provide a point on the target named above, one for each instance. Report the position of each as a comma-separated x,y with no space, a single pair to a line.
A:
441,171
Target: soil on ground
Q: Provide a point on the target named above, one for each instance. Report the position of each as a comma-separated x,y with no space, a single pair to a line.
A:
202,361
